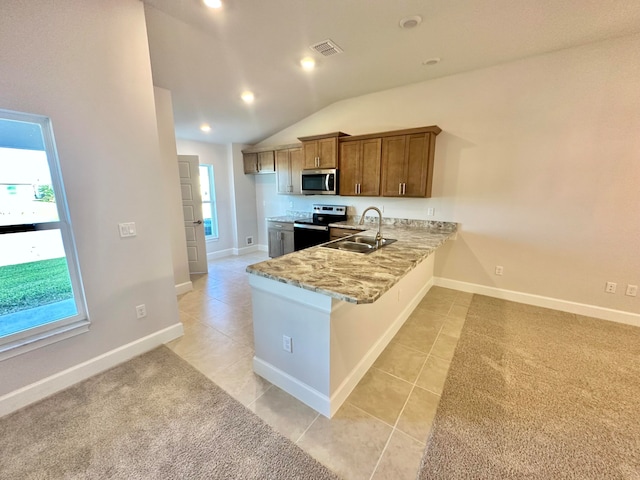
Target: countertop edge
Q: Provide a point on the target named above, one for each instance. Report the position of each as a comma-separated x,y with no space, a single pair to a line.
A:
377,292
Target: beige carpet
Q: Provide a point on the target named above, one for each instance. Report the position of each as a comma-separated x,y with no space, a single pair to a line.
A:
154,417
538,394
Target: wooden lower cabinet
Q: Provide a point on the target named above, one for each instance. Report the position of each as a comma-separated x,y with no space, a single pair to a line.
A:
288,168
280,238
360,167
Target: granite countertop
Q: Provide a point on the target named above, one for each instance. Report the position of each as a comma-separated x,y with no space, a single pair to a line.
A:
287,218
355,277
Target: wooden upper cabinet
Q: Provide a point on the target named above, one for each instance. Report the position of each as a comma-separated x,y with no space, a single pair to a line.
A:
296,162
360,167
250,161
321,151
283,172
288,168
370,167
266,162
259,161
407,163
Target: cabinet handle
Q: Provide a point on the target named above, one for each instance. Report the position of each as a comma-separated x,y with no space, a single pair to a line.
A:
399,189
359,189
404,188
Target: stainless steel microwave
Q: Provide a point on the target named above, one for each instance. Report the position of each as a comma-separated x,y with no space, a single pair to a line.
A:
320,182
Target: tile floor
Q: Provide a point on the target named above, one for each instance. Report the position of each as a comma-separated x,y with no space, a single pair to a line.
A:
380,431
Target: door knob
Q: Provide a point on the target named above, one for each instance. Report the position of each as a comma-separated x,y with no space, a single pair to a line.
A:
197,222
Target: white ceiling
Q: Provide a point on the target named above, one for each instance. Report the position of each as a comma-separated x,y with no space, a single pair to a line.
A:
208,57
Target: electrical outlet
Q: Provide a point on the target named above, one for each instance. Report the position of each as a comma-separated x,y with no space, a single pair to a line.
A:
632,290
499,269
611,287
141,311
249,240
127,229
286,343
431,212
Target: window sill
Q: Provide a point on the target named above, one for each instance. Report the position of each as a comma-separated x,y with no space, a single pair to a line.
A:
48,337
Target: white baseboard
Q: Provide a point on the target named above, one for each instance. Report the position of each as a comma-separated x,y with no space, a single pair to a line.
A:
237,251
540,301
220,254
303,392
245,250
319,401
349,383
24,396
184,288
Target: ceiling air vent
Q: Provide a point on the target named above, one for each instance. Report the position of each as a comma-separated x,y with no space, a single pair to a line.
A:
326,48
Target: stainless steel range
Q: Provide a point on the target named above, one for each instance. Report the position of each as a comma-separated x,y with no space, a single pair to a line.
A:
313,231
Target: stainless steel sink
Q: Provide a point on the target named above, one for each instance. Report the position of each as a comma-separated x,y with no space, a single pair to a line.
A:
358,244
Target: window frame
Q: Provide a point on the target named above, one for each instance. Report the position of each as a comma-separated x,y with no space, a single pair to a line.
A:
56,330
213,206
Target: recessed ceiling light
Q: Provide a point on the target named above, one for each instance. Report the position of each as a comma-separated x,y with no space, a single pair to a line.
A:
205,127
247,97
308,63
431,61
213,3
410,22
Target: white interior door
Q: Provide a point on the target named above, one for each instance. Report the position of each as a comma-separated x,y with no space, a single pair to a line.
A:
188,166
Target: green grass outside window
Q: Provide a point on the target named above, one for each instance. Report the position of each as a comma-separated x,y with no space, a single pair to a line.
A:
33,284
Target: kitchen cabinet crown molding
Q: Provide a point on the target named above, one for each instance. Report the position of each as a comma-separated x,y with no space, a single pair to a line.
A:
274,148
324,135
392,133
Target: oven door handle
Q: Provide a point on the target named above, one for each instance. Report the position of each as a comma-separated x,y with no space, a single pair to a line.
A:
310,227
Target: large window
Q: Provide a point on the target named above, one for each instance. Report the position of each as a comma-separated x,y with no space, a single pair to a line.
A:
209,211
41,298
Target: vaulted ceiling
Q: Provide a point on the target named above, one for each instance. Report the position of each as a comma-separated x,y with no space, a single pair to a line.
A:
208,57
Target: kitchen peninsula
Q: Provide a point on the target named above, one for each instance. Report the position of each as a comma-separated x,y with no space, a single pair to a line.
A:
322,316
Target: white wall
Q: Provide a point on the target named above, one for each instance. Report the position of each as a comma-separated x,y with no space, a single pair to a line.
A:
171,186
218,156
538,162
85,64
244,197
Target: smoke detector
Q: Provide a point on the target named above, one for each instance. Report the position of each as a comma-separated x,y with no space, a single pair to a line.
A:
410,22
326,47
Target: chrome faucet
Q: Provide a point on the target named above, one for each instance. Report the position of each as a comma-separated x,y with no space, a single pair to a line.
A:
379,234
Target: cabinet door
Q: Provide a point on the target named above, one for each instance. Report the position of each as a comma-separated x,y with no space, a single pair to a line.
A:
275,244
328,152
266,162
349,157
393,160
295,166
310,150
250,161
283,171
369,167
287,242
416,166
